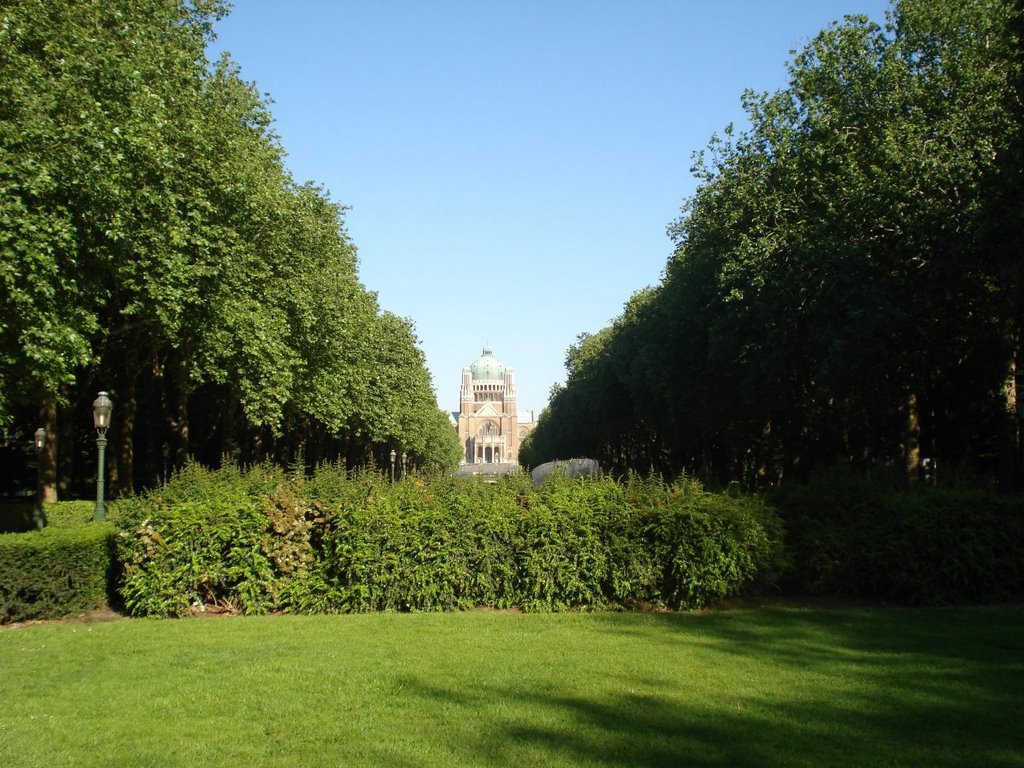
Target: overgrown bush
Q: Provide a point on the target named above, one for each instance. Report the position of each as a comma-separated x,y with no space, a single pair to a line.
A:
59,571
199,541
436,544
928,546
399,552
261,540
711,545
584,545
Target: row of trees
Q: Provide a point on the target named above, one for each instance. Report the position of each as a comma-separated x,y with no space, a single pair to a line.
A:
154,245
847,280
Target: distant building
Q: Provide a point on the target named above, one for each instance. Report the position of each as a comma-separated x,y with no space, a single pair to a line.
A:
490,429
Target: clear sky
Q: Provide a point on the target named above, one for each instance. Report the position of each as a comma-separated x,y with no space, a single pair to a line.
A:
511,167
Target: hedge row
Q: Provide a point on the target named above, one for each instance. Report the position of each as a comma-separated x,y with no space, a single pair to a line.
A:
55,572
929,546
259,541
17,517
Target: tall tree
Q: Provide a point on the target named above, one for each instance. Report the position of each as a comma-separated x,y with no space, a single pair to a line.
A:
846,280
86,89
153,244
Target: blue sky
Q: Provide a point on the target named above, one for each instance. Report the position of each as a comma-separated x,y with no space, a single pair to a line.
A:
511,167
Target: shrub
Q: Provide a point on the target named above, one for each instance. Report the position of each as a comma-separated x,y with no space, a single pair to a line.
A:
63,514
925,547
437,545
260,540
574,543
583,546
54,572
710,546
16,516
198,541
951,546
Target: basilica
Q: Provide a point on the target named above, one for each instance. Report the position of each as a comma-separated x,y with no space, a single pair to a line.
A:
490,429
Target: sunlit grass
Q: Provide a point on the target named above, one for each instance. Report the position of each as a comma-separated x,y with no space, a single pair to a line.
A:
766,687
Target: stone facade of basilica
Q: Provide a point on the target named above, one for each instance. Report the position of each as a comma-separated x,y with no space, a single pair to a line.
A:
490,429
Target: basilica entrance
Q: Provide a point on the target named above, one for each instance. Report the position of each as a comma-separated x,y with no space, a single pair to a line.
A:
486,454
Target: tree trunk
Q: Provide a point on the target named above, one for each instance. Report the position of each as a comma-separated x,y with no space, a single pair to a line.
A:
174,401
179,428
65,451
315,446
48,456
125,448
1010,460
912,440
112,476
230,444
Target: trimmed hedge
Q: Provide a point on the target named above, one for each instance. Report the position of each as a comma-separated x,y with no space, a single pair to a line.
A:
55,572
16,517
929,546
260,541
64,514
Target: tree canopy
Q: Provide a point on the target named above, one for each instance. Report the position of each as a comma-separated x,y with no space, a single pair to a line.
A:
154,245
845,286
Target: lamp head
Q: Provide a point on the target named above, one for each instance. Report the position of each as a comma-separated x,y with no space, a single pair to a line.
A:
101,408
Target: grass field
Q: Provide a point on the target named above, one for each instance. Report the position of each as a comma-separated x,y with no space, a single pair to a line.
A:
784,686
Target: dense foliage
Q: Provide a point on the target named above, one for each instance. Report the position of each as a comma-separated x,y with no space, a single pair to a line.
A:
932,546
59,571
154,245
261,540
846,286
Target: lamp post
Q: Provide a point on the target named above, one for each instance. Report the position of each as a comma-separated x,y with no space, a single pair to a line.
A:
101,408
393,466
38,517
404,459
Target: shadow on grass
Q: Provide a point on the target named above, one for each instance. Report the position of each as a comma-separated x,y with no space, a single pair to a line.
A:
811,688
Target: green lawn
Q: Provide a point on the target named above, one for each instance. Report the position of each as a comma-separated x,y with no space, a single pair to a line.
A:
754,687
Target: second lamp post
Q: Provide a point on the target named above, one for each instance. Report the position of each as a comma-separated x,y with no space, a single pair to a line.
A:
101,408
38,516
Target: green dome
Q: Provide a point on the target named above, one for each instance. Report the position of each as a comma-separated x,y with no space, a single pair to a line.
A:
487,366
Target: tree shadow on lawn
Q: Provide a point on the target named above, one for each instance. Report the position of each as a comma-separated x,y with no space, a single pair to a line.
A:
872,687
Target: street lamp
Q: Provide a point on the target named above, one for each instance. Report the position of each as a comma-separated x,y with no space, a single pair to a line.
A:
404,458
101,408
38,517
393,466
